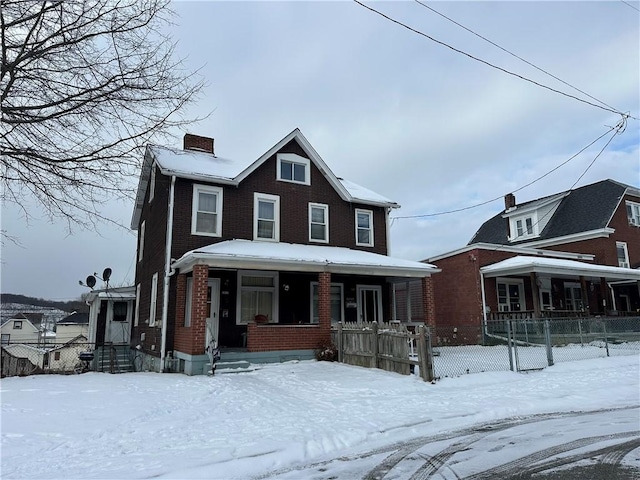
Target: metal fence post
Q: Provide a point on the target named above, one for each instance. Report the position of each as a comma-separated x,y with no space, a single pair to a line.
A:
606,342
509,345
547,341
340,343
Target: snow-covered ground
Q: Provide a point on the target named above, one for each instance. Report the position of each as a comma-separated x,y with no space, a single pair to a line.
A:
143,425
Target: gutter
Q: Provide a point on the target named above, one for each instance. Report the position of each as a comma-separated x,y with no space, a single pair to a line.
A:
168,272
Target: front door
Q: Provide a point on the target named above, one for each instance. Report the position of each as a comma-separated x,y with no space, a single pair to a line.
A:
213,306
369,303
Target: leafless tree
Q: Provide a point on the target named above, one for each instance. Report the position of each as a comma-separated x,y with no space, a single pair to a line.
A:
84,85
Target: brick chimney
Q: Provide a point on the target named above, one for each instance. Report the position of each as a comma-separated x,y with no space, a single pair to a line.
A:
198,143
509,201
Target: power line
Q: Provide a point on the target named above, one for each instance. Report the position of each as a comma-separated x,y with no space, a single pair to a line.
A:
617,128
418,32
629,5
511,53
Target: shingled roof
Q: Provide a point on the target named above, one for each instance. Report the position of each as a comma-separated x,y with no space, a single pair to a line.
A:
581,210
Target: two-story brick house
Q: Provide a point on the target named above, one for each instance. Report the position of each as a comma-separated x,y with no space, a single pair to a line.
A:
258,259
574,253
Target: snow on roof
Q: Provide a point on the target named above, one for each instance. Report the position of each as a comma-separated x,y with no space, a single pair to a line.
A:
524,264
298,257
194,164
360,193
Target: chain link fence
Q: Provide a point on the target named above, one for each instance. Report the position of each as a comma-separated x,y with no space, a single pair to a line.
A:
530,344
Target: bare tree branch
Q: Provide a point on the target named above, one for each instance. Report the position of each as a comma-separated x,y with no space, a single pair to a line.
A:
84,85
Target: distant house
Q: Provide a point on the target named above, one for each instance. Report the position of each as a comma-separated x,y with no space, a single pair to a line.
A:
575,253
19,329
72,326
258,258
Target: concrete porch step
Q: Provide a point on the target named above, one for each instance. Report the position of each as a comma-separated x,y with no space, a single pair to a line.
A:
239,366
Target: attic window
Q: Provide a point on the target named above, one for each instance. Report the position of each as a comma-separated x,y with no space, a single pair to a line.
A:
293,168
524,227
633,213
17,324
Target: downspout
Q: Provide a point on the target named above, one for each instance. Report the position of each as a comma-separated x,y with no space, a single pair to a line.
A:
167,274
387,229
613,298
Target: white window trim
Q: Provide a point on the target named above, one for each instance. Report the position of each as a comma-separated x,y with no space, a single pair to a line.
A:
152,182
326,222
141,241
136,317
154,300
511,281
293,158
514,228
315,284
370,213
276,213
194,209
623,245
187,303
275,289
634,219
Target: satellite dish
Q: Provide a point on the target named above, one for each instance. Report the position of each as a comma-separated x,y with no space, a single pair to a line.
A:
106,274
91,281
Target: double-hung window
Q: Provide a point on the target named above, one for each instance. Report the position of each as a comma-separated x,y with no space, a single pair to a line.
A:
258,296
207,211
141,241
623,254
266,217
152,183
633,213
336,300
364,228
318,222
293,168
136,317
154,300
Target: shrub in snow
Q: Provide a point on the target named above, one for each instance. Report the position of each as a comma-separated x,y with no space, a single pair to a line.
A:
327,352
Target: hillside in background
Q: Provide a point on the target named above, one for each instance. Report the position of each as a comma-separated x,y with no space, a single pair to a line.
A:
70,306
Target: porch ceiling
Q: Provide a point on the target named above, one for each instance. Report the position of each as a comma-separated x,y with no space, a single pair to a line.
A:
523,265
251,255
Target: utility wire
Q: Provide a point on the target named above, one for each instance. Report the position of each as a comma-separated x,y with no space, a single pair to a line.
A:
617,128
512,54
629,5
612,110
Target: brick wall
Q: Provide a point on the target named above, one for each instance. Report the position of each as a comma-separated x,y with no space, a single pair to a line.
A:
264,338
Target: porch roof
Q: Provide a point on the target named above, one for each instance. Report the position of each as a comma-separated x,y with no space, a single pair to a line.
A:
522,265
254,255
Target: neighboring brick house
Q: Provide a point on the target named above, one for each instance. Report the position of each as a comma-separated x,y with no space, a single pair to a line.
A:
258,259
575,253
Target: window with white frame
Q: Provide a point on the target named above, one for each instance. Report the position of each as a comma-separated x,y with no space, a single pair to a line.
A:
523,227
206,216
318,222
266,217
152,183
154,299
633,213
141,241
293,168
136,317
5,338
573,296
510,295
336,299
187,302
623,254
364,227
17,324
258,296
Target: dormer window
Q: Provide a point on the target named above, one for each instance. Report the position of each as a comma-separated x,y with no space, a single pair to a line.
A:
293,168
633,213
523,227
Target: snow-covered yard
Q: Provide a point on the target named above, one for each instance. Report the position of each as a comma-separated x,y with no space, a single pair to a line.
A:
143,425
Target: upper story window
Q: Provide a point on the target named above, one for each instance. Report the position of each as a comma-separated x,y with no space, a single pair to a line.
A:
623,254
318,222
266,217
523,227
141,240
136,316
207,211
633,213
293,168
152,183
17,324
154,299
364,227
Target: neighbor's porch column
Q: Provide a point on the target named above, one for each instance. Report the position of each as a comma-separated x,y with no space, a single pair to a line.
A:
199,307
324,304
535,294
428,301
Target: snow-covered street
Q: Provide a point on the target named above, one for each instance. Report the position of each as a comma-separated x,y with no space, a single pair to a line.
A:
279,418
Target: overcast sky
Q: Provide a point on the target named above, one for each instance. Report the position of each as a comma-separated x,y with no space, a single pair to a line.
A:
385,107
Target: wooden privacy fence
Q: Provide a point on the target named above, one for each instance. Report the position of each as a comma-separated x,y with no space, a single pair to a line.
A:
388,346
